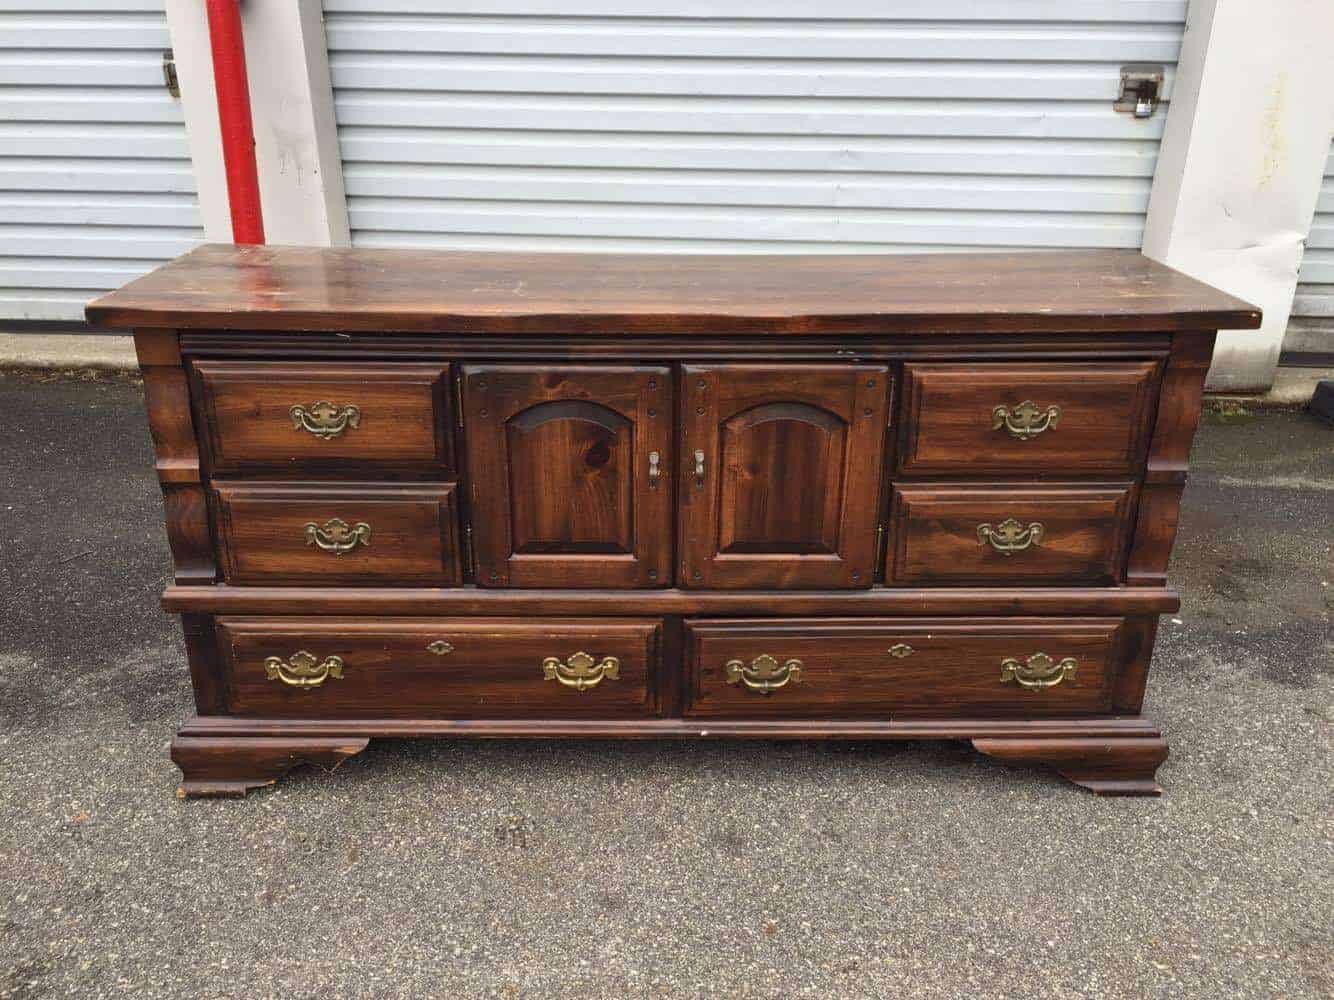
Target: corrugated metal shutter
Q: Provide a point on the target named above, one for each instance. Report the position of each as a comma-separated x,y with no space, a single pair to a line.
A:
95,179
733,125
1315,290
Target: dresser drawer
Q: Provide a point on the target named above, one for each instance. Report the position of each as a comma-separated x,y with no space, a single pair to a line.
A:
1022,419
1008,533
323,418
822,668
420,668
335,533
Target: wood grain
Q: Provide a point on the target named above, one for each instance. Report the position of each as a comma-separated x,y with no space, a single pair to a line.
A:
245,411
413,533
226,287
953,666
493,668
559,474
947,424
1106,767
780,474
1180,403
895,601
214,766
176,456
934,533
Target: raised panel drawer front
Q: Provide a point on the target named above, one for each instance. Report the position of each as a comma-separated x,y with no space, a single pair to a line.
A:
570,472
1026,418
1008,533
500,668
847,668
334,533
324,418
780,474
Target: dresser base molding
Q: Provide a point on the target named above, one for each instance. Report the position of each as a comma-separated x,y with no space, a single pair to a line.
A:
228,756
1124,766
230,766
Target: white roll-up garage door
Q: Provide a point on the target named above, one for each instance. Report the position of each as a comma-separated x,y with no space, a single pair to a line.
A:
95,179
730,125
1315,289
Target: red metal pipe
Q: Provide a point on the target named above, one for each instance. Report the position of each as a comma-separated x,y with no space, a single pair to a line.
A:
238,132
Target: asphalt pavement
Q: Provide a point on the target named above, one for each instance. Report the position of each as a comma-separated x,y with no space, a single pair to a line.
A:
556,870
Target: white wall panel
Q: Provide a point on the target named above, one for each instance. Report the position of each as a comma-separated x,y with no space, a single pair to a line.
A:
95,179
767,126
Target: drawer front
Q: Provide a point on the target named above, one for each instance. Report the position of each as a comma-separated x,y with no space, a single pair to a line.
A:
334,533
501,668
1022,419
324,418
1014,532
848,668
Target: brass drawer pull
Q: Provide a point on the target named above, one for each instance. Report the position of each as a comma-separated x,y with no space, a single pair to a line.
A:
581,671
764,673
303,670
1038,671
337,536
654,469
325,420
1025,421
1010,536
699,469
900,650
440,647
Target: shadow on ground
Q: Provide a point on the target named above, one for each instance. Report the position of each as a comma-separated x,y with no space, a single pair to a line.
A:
552,870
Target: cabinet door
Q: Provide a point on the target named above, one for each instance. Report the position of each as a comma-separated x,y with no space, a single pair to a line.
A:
780,474
570,474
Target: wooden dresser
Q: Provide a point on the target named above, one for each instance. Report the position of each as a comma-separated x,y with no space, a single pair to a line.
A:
500,495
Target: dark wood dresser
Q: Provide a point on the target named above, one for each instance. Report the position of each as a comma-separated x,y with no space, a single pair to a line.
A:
560,495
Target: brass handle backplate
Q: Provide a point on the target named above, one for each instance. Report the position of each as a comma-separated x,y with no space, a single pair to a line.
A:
303,670
581,671
699,469
1038,671
900,650
654,469
325,420
1010,536
1025,421
764,673
337,536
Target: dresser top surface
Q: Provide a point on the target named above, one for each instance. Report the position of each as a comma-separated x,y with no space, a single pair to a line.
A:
305,288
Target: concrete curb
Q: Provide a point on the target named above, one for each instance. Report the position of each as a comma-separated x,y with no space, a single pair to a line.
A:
58,350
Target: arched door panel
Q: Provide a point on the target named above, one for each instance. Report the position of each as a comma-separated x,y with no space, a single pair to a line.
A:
781,472
782,469
571,467
569,474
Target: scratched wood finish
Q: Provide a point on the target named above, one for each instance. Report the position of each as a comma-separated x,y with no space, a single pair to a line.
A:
934,534
402,418
948,426
849,668
489,668
411,534
780,474
308,288
564,490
